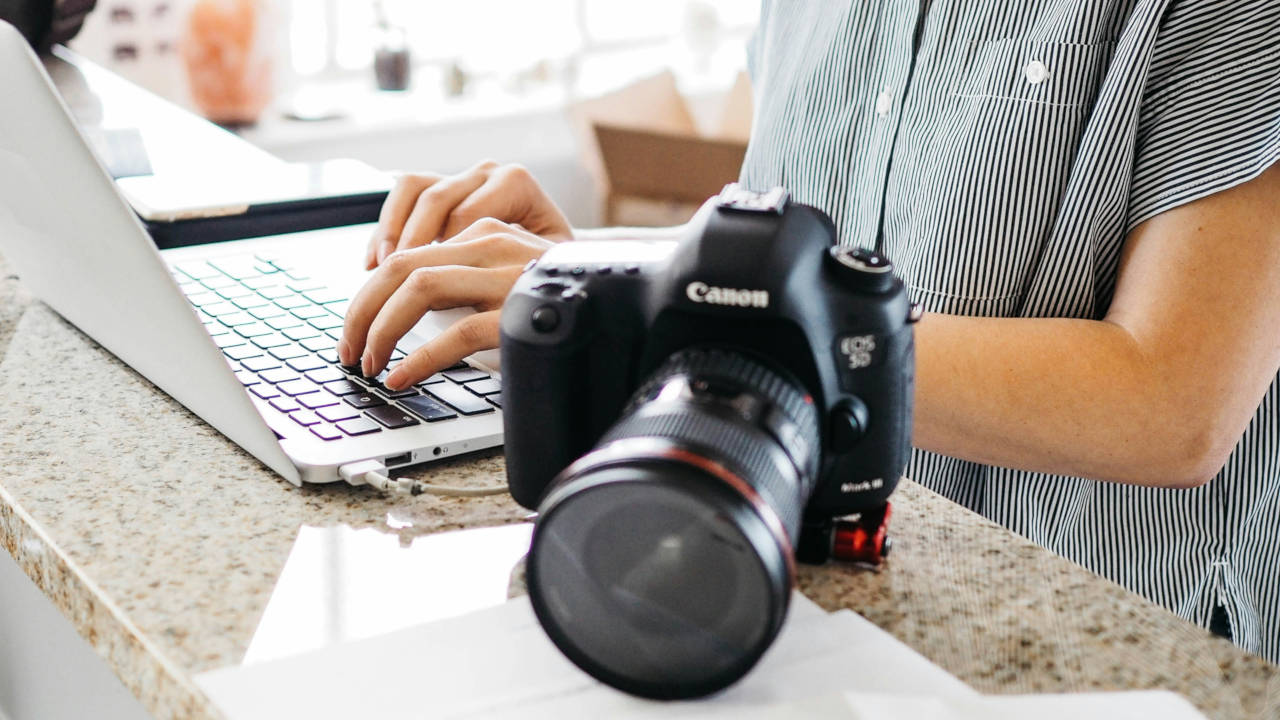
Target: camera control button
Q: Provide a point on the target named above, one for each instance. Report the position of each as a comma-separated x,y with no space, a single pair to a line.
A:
863,269
579,270
848,423
545,319
632,269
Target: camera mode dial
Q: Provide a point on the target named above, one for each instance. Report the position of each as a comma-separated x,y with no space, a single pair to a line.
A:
861,269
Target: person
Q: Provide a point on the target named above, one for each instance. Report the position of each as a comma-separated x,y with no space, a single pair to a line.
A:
1083,195
45,23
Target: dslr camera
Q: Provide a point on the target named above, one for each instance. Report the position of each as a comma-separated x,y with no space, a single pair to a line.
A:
690,417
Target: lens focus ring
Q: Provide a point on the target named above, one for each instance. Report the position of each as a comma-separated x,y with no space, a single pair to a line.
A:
783,482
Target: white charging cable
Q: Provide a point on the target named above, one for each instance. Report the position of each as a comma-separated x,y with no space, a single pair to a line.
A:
374,474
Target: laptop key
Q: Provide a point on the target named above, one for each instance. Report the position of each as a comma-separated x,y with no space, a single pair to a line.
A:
305,417
253,330
274,292
238,267
242,352
302,284
391,416
359,426
326,322
315,400
323,295
285,404
459,399
308,311
344,387
397,394
274,340
236,318
226,340
488,386
325,432
283,321
328,355
466,374
220,308
203,298
364,400
294,388
495,400
234,291
247,378
302,332
338,413
260,363
218,282
437,378
198,270
258,283
266,312
278,375
292,301
428,409
249,302
325,374
264,391
317,343
307,362
287,352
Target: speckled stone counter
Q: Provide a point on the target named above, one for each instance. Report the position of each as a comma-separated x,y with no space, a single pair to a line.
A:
162,542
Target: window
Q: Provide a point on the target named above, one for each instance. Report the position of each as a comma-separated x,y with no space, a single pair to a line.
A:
580,42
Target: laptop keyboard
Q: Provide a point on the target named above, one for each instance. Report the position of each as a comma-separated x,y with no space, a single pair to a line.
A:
278,329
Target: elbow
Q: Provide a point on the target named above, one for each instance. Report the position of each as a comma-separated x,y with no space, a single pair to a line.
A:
1191,457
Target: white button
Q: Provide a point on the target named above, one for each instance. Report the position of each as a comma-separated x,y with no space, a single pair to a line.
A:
1036,72
884,103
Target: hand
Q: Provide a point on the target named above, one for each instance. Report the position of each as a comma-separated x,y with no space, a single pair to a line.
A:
427,207
476,269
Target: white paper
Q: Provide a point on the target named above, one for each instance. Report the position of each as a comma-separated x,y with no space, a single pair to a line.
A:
498,663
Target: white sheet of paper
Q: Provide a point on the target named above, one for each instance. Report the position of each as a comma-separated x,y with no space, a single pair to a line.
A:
498,663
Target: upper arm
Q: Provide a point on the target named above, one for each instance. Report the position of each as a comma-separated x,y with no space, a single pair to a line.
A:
1199,291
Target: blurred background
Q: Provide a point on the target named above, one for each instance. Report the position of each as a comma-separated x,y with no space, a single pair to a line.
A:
627,112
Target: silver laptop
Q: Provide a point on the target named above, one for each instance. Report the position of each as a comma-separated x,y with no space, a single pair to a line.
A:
242,333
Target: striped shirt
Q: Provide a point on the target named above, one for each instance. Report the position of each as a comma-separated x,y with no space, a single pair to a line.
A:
999,152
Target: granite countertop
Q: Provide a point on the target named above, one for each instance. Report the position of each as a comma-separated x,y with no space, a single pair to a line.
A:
162,542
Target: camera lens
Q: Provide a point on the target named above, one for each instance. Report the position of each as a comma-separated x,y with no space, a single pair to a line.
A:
662,560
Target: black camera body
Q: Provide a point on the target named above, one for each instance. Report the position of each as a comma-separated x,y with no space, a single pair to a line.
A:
586,324
689,419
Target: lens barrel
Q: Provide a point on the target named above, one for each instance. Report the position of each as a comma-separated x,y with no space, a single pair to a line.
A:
662,561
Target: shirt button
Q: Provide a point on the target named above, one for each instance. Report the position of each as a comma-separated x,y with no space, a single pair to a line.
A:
884,103
1036,72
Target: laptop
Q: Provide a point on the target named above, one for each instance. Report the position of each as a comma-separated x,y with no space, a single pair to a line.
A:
241,332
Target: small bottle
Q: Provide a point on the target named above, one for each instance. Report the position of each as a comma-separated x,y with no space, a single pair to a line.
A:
391,66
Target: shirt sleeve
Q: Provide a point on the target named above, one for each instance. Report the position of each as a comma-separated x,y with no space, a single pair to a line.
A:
1210,114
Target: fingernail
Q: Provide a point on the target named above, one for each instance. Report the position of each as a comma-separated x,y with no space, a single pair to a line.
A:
344,352
396,378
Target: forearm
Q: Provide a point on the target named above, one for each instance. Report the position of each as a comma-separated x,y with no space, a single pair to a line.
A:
1063,396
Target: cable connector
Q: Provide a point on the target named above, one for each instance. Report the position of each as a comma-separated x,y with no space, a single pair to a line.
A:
374,474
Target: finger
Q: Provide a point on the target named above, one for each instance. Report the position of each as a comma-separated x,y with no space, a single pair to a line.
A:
465,337
436,202
432,288
504,195
395,212
390,275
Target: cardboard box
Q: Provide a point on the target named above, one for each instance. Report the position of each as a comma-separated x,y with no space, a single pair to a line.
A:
646,150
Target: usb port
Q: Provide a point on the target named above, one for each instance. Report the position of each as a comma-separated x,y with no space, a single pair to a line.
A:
398,460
